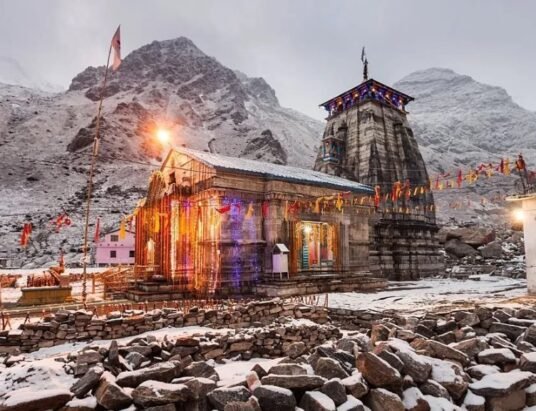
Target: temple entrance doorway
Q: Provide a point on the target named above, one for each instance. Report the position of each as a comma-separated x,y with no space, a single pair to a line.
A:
316,245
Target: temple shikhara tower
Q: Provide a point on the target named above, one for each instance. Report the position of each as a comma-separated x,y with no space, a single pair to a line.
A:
368,139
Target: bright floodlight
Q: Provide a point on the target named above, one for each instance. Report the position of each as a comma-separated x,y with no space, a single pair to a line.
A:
163,135
519,215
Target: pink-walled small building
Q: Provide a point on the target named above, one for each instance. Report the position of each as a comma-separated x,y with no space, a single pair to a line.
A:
113,251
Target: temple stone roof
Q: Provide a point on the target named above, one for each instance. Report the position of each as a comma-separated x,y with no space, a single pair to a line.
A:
274,171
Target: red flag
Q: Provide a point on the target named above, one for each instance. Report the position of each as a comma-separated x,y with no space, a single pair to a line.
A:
116,45
377,196
97,231
460,178
26,233
224,209
265,208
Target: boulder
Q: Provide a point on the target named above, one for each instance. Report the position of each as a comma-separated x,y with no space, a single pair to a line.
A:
384,352
475,236
329,368
415,365
199,387
261,372
510,330
113,354
88,382
531,395
472,346
135,359
163,372
379,332
355,385
335,390
252,404
316,401
491,250
152,393
459,249
110,395
295,349
478,371
80,404
252,380
414,400
351,404
221,396
379,399
496,356
512,401
530,334
450,376
433,388
527,362
201,369
501,384
473,402
288,369
271,397
294,382
464,318
35,400
378,372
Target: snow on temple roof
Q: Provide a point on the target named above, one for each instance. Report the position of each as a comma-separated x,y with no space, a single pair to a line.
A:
274,171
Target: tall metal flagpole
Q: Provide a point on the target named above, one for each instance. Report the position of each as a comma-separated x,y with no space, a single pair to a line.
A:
90,183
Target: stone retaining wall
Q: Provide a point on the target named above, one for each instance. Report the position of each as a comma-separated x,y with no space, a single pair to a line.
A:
70,326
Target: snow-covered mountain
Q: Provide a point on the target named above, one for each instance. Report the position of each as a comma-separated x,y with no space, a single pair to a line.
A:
12,73
461,123
45,139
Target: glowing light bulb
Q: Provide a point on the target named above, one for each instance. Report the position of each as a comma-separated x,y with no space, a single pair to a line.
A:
307,229
163,135
519,215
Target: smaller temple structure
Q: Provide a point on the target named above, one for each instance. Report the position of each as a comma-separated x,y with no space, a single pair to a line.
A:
211,224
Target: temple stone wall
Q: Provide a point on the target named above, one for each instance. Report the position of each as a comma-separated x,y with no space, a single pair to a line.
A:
379,149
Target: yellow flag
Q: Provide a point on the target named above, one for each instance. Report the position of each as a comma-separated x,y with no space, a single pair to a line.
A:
339,203
122,229
317,205
156,227
249,212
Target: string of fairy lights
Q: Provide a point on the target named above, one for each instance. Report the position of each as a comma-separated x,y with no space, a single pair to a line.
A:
394,200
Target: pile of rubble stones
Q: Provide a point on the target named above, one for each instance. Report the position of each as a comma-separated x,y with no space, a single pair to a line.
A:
478,360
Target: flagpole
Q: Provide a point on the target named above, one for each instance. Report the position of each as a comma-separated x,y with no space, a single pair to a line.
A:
90,183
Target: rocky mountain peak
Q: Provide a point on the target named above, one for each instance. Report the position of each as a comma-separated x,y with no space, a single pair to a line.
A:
454,87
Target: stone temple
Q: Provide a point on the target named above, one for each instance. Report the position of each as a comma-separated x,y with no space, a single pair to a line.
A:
368,139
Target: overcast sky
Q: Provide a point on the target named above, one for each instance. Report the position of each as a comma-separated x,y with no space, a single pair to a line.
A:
307,50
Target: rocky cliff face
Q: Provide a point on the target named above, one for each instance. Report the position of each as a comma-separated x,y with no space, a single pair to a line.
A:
465,122
461,123
45,139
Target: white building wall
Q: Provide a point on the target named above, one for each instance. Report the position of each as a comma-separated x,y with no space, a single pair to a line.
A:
529,230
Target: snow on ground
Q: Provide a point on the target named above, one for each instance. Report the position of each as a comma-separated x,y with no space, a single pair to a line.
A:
432,293
233,372
35,375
